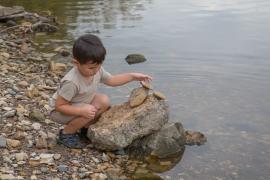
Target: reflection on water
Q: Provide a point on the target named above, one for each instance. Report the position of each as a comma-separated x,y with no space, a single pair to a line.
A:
211,60
161,165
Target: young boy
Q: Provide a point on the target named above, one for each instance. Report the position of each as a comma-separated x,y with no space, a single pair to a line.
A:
76,103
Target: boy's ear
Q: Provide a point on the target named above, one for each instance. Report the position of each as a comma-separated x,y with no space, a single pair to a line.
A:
75,62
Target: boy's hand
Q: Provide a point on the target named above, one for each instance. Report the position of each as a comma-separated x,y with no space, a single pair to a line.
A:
141,77
88,111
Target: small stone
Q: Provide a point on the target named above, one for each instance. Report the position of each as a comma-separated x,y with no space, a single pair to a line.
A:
49,82
44,169
11,23
13,143
20,135
23,84
159,95
33,177
36,126
46,158
64,53
4,54
145,84
62,168
137,96
7,176
10,113
36,115
3,142
21,156
41,142
57,156
95,160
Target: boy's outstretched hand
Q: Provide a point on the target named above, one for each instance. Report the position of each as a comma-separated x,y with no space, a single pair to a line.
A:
141,77
120,79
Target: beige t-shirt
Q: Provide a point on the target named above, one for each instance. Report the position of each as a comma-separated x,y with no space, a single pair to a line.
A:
75,88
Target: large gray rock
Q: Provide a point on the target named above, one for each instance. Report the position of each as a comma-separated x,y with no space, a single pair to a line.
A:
121,125
168,141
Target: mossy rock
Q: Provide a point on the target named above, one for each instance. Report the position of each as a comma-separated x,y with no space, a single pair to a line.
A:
135,58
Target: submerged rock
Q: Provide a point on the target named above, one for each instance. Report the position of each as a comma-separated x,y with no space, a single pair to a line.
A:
135,58
166,142
194,138
121,125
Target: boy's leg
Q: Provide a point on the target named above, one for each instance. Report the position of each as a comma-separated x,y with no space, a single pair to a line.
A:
102,103
75,125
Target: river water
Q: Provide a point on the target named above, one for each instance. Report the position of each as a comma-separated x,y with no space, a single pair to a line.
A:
210,58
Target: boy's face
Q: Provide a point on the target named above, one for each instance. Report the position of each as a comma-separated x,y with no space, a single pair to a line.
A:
87,70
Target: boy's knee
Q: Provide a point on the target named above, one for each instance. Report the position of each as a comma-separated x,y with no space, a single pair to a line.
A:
104,101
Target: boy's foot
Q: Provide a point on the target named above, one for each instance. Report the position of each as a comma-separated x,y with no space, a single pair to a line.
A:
83,134
70,140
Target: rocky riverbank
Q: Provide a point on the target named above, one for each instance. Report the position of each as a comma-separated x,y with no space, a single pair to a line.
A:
28,78
28,145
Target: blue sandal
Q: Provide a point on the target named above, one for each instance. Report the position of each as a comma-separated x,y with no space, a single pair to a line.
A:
70,140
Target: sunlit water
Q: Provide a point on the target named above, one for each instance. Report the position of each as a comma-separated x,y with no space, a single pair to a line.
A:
210,58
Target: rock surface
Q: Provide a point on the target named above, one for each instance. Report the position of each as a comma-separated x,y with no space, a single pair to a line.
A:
137,96
121,125
135,58
167,142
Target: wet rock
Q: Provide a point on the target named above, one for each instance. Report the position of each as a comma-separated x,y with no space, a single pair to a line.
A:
168,141
127,124
142,173
3,142
195,138
137,96
135,58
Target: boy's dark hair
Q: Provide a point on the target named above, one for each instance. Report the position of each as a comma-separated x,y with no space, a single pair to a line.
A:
89,48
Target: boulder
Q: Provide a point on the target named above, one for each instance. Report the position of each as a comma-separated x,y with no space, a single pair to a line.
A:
119,126
167,142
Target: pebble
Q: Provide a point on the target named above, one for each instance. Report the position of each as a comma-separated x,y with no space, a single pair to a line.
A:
62,168
36,115
10,114
57,156
7,176
3,142
21,156
23,84
36,126
13,143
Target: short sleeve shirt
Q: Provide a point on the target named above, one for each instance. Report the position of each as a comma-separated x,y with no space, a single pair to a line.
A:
75,88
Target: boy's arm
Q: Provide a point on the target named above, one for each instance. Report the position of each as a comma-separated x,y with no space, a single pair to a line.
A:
121,79
63,106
